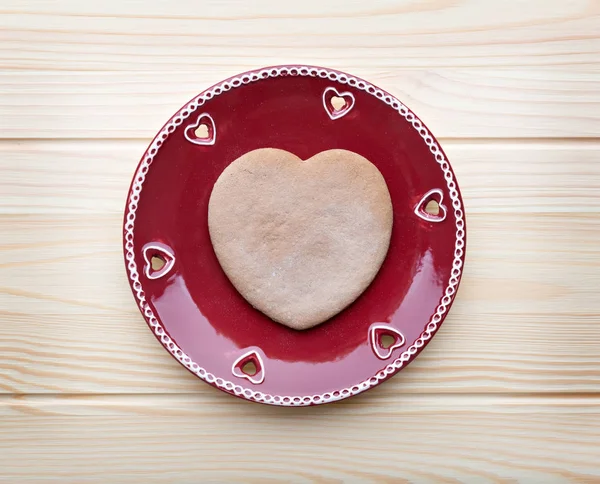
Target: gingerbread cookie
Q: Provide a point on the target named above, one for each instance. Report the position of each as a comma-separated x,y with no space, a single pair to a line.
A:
300,240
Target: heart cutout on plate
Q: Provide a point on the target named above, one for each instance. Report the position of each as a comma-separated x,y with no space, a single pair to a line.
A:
159,260
437,196
300,240
337,104
203,131
379,333
249,366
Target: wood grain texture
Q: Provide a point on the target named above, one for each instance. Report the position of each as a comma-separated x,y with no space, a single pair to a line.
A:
92,176
414,439
175,36
454,103
509,389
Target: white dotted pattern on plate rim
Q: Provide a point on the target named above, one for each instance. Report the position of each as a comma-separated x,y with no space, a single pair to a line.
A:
134,197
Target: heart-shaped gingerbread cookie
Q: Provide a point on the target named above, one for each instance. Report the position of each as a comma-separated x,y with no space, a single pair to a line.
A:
300,240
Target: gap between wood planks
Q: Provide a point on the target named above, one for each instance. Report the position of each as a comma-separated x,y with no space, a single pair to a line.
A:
442,140
448,397
210,400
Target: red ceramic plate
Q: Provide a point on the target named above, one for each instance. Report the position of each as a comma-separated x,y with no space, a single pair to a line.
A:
197,314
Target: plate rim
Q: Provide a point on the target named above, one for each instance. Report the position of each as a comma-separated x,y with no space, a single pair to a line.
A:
134,195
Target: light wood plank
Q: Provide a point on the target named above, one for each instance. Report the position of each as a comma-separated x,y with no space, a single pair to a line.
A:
164,36
524,321
93,176
196,405
454,103
425,440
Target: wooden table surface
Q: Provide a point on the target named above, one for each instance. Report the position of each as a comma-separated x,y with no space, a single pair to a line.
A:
508,390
